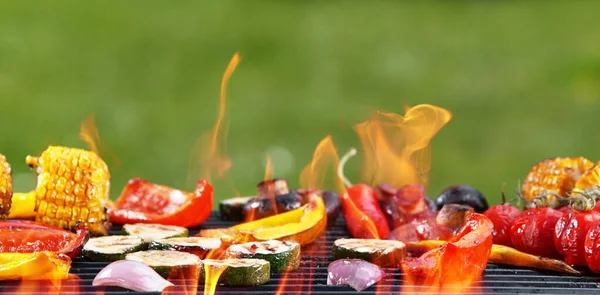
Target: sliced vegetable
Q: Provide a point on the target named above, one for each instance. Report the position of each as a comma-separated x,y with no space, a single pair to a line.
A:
459,261
44,265
145,202
303,225
26,237
262,207
239,271
360,207
150,232
198,246
380,252
356,273
169,264
131,275
283,256
23,206
503,255
233,209
112,248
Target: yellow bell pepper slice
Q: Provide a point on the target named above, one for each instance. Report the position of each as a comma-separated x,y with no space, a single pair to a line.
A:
23,206
303,225
43,265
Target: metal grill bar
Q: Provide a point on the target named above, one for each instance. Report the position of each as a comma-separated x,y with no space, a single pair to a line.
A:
311,277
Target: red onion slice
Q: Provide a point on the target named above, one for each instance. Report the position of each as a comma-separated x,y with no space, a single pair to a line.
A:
356,273
131,275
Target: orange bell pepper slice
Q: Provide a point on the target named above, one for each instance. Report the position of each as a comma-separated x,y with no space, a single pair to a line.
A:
43,265
303,225
458,262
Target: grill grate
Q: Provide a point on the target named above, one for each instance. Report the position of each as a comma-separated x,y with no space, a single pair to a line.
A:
312,276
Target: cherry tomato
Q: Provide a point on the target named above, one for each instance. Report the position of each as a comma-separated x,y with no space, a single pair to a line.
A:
502,216
569,235
592,248
533,232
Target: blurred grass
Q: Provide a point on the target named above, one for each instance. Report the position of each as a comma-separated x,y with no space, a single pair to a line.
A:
521,78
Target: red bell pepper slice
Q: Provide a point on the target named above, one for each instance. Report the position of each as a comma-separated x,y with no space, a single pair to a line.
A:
27,237
145,202
458,262
362,213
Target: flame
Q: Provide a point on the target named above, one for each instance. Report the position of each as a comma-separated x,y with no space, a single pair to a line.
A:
50,287
322,169
88,132
212,273
396,147
212,160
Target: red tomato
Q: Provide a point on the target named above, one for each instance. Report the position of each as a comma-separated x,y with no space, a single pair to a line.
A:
533,232
569,235
592,248
502,216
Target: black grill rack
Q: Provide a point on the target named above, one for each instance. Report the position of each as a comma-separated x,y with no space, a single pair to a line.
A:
311,277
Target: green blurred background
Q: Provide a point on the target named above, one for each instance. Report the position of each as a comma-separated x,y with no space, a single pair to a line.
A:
521,78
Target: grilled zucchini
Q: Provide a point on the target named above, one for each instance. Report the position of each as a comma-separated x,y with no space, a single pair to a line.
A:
151,232
169,264
198,246
385,253
283,256
112,248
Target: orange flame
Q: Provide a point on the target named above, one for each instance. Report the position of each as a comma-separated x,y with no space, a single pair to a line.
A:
213,161
321,171
88,132
396,148
212,273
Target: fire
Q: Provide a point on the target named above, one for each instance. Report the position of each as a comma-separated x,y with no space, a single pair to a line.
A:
214,162
321,171
396,148
268,168
88,132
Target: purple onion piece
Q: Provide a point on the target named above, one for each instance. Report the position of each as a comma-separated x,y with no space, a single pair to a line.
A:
131,275
356,273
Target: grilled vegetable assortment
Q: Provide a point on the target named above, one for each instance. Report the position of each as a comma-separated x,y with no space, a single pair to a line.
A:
283,256
73,186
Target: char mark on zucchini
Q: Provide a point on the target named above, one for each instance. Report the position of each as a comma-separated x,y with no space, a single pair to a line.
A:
283,256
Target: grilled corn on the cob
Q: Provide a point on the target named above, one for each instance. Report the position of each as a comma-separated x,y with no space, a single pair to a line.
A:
5,187
73,186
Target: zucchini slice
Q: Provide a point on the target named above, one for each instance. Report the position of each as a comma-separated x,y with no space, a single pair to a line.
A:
111,248
169,264
151,232
198,246
239,271
385,253
233,209
283,256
